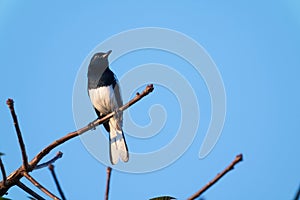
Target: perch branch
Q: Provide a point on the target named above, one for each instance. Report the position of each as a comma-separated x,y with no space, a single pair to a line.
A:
90,126
10,104
3,171
29,191
38,185
51,168
15,176
107,182
237,159
49,162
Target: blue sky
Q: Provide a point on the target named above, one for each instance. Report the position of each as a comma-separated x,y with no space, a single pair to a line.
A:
255,46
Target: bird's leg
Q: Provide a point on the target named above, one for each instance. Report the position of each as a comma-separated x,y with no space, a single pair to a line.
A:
101,116
92,126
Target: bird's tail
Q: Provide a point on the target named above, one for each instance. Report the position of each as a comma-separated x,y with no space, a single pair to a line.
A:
118,147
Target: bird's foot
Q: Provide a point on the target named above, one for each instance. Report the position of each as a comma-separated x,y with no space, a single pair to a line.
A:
92,126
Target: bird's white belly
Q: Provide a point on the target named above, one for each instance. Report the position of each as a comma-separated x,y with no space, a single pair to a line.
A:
103,99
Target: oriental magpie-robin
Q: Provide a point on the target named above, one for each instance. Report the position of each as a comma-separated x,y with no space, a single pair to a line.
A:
104,93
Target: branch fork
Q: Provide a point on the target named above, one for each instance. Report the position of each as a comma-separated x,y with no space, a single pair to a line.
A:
27,167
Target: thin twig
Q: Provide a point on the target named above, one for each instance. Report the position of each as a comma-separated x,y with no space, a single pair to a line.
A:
297,196
15,176
51,168
38,185
46,164
237,159
29,191
10,104
108,170
3,171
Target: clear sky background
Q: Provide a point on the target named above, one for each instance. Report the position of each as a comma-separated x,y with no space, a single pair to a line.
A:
255,45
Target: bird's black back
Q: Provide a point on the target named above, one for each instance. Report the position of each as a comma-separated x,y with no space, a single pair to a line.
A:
107,78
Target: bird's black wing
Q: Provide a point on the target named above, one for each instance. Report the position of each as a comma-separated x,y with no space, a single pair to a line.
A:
98,113
119,102
118,94
105,124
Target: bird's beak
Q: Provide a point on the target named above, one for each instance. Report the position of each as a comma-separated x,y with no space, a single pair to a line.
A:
107,54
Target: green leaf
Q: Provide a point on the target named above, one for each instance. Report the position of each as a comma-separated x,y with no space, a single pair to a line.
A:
2,154
163,198
2,198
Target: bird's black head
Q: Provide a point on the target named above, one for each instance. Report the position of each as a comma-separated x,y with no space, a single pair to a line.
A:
100,59
98,71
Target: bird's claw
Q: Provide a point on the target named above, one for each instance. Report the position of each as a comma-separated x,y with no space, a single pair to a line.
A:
92,126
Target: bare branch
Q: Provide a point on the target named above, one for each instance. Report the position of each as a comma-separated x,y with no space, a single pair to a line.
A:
90,126
10,104
237,159
38,185
29,191
297,196
49,162
51,168
108,170
3,171
15,176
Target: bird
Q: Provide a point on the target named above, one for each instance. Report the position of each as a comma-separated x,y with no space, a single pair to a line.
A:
105,96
